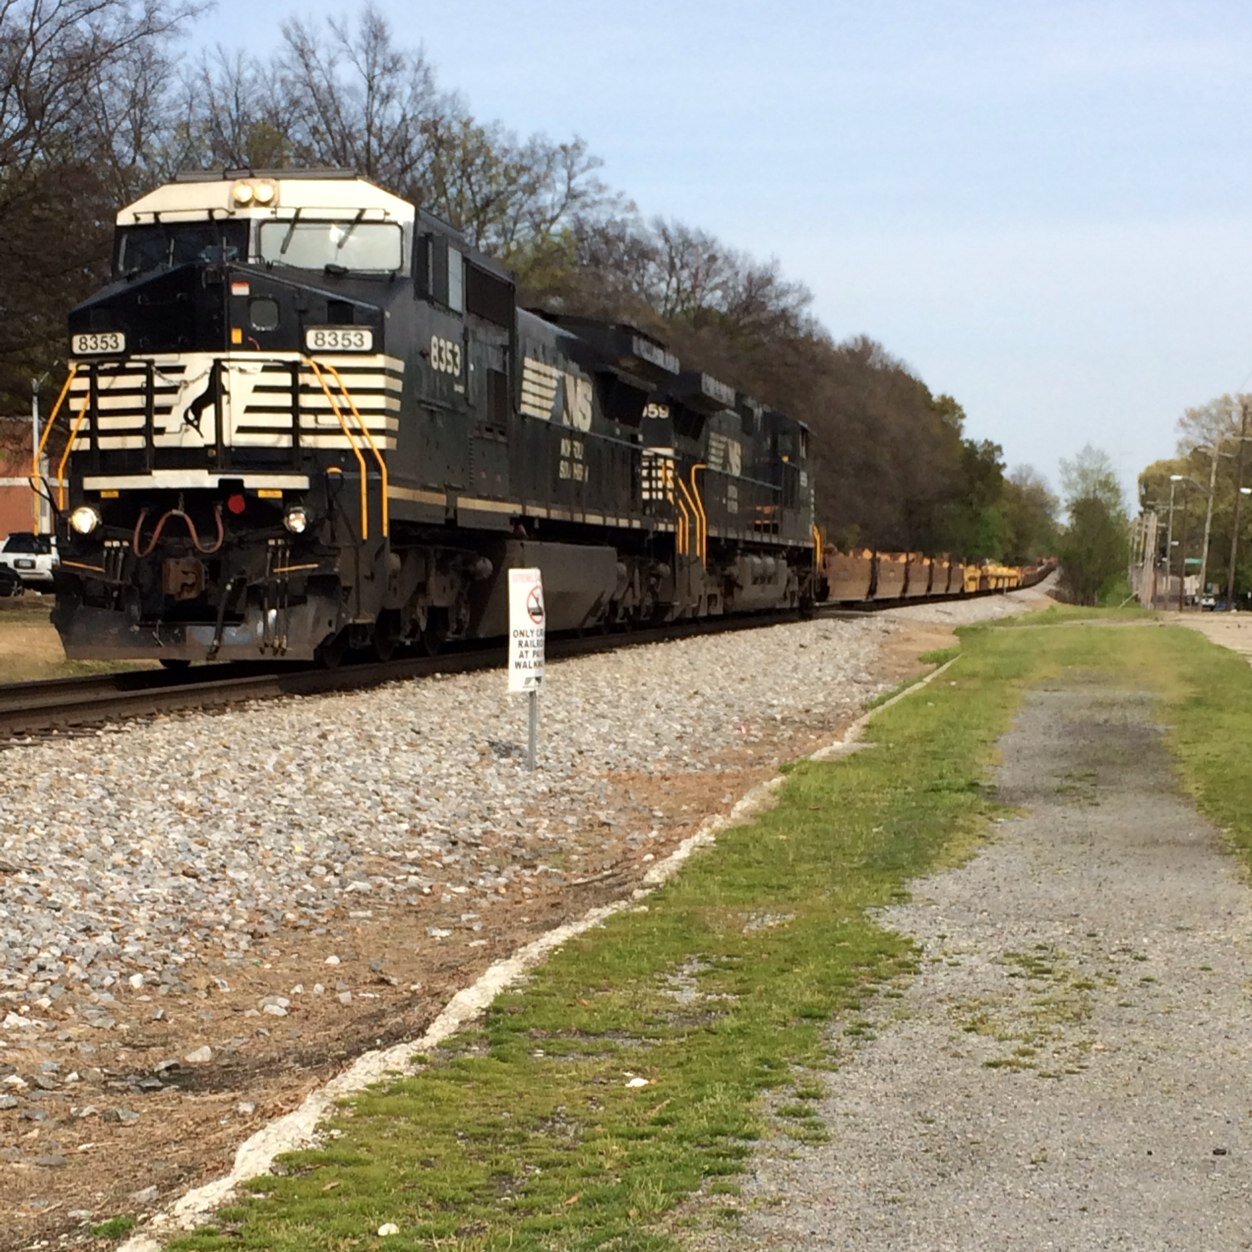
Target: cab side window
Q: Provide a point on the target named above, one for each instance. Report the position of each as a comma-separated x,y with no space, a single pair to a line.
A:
441,272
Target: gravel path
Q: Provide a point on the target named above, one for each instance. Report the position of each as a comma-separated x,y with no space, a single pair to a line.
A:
1070,1069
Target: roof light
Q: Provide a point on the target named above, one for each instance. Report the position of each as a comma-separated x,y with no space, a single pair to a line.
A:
264,193
242,194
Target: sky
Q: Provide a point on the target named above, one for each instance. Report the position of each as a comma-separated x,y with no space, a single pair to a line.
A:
1043,209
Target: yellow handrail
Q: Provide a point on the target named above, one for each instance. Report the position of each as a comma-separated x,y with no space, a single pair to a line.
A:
702,517
682,486
62,487
378,456
819,545
682,530
36,473
347,434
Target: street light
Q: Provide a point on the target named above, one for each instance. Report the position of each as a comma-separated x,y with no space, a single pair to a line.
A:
1174,479
1213,453
1187,481
1234,534
1169,544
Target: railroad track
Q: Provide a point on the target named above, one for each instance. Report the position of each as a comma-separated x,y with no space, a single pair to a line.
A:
69,705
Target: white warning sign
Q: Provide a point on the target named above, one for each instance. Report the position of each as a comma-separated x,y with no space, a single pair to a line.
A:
526,627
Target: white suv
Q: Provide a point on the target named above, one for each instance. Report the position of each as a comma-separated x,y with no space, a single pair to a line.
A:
31,557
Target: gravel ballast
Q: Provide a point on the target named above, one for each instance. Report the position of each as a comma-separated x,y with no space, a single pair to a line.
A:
125,854
129,852
1069,1070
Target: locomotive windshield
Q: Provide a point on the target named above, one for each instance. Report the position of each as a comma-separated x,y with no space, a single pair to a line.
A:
162,245
371,247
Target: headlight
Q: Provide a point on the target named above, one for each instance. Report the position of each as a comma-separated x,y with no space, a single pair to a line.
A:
296,520
242,193
84,519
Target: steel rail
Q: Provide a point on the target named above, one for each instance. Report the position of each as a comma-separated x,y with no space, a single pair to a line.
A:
63,705
67,705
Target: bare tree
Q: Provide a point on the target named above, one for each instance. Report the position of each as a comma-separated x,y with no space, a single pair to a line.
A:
80,102
1090,476
1207,425
357,101
231,117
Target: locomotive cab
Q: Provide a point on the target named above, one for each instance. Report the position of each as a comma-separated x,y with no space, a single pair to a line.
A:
231,404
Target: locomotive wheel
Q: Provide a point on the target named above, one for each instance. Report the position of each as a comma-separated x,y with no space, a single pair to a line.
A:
386,635
329,653
434,632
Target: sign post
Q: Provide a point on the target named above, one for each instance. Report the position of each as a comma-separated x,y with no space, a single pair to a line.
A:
526,644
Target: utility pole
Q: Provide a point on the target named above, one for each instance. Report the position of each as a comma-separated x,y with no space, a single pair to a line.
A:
35,384
1169,535
1234,534
1214,452
1182,552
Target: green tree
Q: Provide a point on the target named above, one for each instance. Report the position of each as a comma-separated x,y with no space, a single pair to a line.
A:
1093,550
1030,517
1093,546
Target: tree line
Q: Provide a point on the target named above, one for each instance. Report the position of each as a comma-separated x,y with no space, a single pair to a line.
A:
1212,462
98,104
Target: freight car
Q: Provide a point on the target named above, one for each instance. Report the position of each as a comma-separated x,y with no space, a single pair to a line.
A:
305,415
866,575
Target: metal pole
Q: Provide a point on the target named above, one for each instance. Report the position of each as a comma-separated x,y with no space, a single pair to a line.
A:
534,729
34,442
1214,451
1234,534
1169,540
1182,551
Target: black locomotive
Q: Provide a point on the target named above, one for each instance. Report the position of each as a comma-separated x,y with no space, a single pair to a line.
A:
305,415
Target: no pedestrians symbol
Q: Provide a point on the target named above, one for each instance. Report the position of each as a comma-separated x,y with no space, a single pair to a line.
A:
534,605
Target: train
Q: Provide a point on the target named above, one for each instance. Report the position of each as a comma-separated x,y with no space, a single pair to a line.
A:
305,416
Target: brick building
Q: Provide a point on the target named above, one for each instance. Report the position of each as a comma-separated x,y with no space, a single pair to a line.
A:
17,500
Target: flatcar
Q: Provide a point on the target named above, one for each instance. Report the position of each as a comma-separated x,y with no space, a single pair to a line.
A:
867,575
305,415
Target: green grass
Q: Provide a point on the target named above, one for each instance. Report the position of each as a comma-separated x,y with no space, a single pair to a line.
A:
114,1228
523,1132
1069,615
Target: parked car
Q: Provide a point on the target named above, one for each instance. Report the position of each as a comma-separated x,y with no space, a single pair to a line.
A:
31,557
10,583
1208,601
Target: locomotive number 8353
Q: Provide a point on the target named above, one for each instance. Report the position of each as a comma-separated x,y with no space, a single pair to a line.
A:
304,415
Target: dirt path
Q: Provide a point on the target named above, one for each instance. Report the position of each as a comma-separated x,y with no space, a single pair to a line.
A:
1229,630
1070,1068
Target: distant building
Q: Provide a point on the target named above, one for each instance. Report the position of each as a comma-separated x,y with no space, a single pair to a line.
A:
17,499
